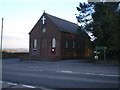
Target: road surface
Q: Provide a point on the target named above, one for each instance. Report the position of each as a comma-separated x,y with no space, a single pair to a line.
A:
61,74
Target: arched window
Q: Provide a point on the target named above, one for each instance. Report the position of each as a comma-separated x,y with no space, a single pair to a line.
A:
53,43
73,44
79,45
66,44
44,30
35,43
44,43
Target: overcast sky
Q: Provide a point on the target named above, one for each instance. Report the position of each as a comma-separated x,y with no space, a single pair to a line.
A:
21,15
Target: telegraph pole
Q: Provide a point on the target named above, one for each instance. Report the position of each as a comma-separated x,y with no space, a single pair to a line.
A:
1,54
1,40
1,34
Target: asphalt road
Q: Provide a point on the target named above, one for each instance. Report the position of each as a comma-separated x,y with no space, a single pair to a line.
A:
62,74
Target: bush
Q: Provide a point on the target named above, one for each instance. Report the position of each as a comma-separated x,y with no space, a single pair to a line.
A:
112,54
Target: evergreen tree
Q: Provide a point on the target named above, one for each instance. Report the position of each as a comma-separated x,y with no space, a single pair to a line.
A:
84,17
105,24
102,19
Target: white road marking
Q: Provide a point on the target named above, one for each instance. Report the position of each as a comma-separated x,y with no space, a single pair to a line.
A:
12,83
57,71
65,71
28,86
99,74
1,82
113,75
23,85
103,74
90,73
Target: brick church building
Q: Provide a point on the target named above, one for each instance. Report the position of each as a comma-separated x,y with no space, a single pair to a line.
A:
53,38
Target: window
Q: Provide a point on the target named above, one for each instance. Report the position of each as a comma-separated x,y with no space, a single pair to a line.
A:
34,52
73,44
79,45
53,43
35,44
44,43
44,30
66,44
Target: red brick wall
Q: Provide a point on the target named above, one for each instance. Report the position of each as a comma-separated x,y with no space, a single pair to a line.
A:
44,53
52,32
80,50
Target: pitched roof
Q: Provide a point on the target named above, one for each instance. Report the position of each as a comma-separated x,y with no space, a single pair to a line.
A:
63,25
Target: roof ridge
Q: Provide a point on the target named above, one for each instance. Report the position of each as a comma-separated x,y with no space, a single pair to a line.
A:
61,19
62,24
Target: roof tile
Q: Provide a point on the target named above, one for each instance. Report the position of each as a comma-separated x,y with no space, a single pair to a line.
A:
63,25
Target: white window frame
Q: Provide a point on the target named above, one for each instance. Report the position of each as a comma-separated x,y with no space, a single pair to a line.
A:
44,30
73,44
35,43
53,42
66,44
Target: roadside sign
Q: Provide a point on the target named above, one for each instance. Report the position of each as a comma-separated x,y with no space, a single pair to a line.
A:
101,47
96,57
